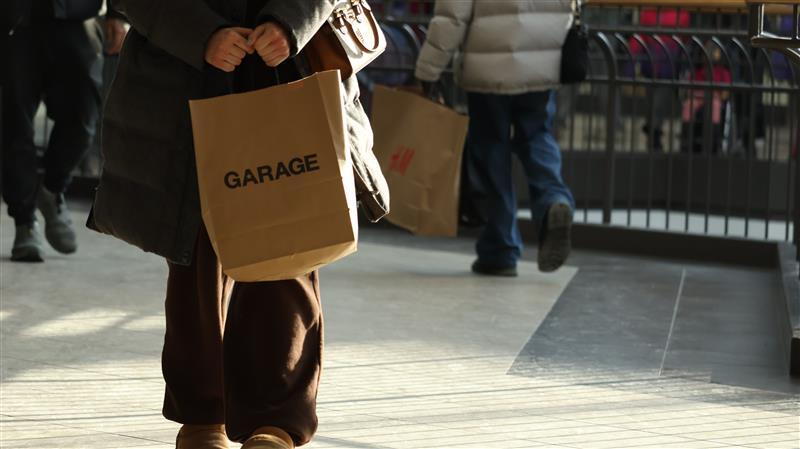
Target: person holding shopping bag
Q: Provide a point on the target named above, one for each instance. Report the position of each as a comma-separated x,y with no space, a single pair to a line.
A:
510,64
241,360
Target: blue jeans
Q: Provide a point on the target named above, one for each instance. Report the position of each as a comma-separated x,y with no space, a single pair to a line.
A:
490,144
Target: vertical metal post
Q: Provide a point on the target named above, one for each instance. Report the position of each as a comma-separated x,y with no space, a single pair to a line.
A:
611,116
796,211
608,206
2,148
756,20
793,160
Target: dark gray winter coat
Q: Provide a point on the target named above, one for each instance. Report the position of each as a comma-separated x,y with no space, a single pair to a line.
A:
148,193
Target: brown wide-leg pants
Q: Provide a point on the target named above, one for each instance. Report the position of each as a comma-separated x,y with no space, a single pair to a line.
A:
244,354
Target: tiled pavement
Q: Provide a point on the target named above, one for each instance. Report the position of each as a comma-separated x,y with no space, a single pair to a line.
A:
418,356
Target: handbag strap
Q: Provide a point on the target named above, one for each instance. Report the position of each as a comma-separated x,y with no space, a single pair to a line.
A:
360,9
577,12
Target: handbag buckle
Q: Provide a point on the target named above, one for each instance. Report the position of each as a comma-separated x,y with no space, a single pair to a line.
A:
358,9
340,19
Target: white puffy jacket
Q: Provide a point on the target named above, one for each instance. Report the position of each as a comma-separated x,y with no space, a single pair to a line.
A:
505,46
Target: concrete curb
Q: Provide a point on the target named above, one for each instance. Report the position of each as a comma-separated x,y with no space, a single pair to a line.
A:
788,312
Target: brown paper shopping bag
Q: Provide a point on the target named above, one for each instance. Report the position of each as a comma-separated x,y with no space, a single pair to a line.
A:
419,144
275,178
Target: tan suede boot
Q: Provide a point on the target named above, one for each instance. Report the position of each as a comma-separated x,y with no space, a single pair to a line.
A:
202,437
269,438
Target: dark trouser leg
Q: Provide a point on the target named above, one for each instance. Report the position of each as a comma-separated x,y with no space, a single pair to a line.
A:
272,350
500,243
662,100
539,152
192,357
22,92
273,354
72,98
471,208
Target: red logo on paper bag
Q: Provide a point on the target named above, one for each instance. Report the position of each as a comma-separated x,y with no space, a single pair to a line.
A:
401,159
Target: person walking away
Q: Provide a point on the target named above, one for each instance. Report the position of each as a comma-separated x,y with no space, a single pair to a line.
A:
53,55
241,361
510,59
695,114
114,31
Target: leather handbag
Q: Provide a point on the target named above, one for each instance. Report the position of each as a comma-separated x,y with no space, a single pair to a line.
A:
348,41
575,52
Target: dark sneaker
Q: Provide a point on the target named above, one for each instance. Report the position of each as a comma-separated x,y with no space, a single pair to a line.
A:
27,244
488,270
555,241
57,222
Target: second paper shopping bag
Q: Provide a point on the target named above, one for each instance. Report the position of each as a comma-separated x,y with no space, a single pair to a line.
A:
419,144
275,178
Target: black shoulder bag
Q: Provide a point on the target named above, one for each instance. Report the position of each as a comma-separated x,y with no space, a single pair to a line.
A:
575,52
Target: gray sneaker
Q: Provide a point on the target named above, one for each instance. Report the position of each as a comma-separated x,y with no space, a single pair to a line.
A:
555,241
27,244
57,222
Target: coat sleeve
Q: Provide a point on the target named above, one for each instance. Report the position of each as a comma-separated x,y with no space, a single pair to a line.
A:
300,18
179,27
446,34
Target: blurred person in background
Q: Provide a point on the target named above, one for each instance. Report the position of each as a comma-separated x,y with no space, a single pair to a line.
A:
114,31
658,62
53,55
509,63
702,105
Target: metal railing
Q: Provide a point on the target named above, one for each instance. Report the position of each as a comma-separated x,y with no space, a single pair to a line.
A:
683,124
698,131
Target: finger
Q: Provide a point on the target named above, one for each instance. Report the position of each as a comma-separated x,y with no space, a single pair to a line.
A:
225,66
275,52
270,45
267,40
276,60
276,56
230,59
267,31
239,38
261,45
255,35
274,49
237,52
244,32
243,45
